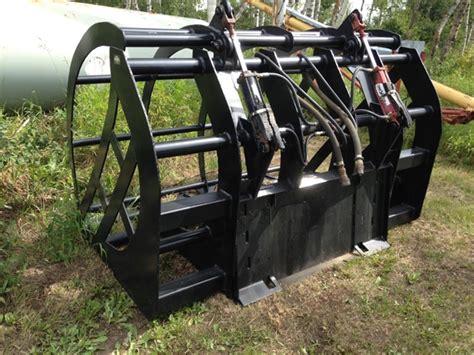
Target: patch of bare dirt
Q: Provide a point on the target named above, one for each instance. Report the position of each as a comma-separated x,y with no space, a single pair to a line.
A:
28,231
48,282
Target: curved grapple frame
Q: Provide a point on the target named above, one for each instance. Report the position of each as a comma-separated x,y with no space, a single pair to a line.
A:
243,238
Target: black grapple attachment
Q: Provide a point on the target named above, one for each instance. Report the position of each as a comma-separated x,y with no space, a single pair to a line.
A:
271,208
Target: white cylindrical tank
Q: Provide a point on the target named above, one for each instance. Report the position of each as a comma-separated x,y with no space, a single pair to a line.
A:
38,39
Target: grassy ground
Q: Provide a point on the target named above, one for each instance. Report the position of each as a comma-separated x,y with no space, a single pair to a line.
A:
57,296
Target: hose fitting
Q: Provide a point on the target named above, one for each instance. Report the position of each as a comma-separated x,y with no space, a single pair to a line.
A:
359,165
343,178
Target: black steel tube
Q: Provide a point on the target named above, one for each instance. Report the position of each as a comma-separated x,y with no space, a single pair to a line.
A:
366,119
178,68
176,242
190,146
155,133
149,30
362,120
194,186
194,66
177,189
265,40
169,40
186,38
171,190
165,66
420,111
105,79
199,185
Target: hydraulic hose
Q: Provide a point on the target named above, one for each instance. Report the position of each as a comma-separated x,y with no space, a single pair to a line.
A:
292,133
336,148
323,80
368,112
303,93
292,91
353,80
358,158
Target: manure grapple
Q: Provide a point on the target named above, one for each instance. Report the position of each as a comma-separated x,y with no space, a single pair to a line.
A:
275,207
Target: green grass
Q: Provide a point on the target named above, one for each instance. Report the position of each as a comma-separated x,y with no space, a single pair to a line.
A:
56,296
415,297
457,72
457,143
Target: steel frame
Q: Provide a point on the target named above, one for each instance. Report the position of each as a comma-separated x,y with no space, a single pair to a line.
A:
242,244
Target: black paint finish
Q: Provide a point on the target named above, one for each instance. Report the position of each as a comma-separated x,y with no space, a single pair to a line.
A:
241,237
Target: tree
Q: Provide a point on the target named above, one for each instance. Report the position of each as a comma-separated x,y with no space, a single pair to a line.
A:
442,24
371,11
337,6
467,28
414,6
316,9
279,12
240,11
294,3
459,15
211,9
131,4
308,8
343,12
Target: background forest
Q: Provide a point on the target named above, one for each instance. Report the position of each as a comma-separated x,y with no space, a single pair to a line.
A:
444,25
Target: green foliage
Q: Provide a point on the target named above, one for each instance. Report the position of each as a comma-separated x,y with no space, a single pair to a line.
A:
457,143
413,277
11,264
188,8
186,330
117,308
175,103
162,335
411,23
455,71
63,232
72,339
33,169
87,331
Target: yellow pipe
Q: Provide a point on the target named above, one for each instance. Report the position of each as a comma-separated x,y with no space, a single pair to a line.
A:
454,96
296,24
443,91
290,22
260,5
